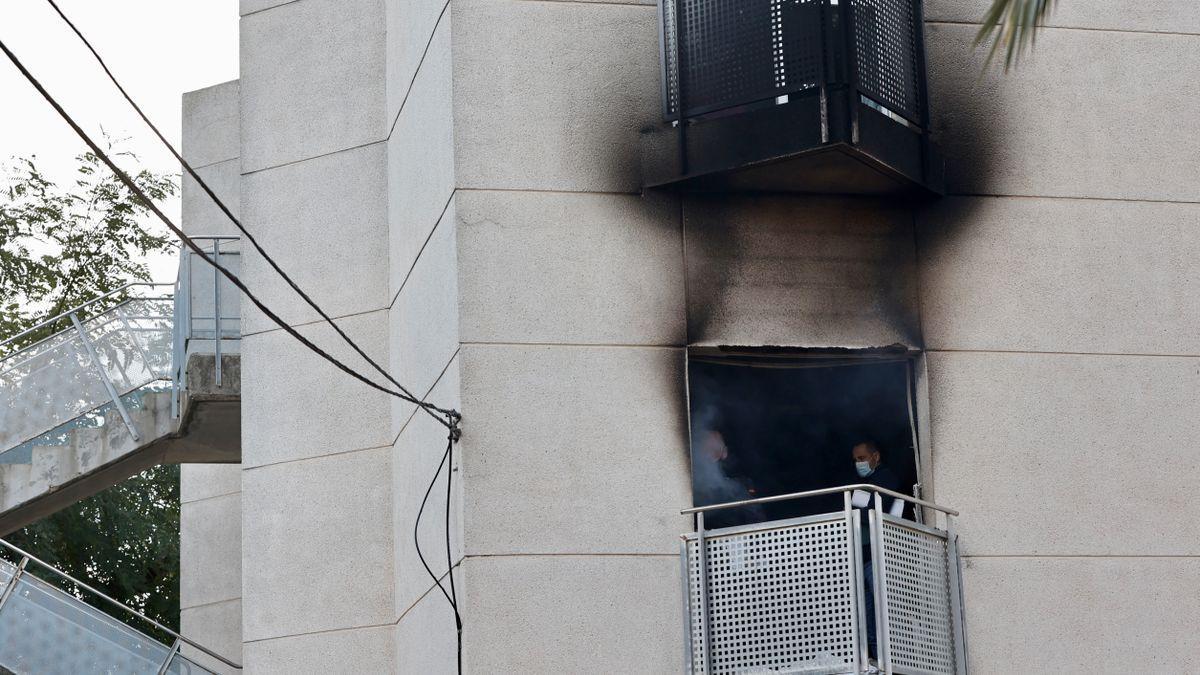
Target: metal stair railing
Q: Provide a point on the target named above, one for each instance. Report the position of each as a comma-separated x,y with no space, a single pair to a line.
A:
95,361
45,629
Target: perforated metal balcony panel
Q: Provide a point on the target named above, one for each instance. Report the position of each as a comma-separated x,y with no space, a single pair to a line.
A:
814,96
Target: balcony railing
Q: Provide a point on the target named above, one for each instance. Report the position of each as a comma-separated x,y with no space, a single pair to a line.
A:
111,346
207,313
810,96
789,596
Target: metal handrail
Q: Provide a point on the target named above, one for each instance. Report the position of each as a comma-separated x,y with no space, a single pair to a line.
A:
74,310
866,487
27,557
22,356
5,362
184,317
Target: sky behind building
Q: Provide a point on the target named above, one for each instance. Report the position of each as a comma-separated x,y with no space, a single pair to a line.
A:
157,48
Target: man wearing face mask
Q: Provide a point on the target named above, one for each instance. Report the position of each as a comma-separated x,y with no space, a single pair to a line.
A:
868,464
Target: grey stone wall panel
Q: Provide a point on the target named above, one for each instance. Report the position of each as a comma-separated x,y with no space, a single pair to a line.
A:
570,268
573,449
1104,131
210,540
358,650
201,481
324,221
421,159
425,637
1170,16
551,95
297,405
312,80
252,6
210,124
1082,615
573,614
415,458
410,25
424,318
1061,275
1064,454
319,554
201,216
218,627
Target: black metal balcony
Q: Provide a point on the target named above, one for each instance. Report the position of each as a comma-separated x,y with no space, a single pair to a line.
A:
816,96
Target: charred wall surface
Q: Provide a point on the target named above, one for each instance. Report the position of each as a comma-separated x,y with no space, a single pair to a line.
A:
798,271
579,297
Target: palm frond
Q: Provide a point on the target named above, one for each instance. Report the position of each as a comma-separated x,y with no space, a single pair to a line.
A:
1011,26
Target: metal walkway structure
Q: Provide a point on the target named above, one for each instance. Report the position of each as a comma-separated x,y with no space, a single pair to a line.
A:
146,374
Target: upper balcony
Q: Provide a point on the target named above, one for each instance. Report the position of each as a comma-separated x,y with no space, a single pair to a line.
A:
812,96
800,596
146,374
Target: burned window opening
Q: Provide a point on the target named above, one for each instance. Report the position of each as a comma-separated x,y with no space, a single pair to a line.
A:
764,425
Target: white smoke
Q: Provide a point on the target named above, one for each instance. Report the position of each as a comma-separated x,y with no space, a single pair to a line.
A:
710,483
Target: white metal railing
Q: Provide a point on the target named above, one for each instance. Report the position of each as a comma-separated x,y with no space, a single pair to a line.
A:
207,308
45,629
793,596
93,362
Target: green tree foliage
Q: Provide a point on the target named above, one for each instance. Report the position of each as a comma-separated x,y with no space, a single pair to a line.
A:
1011,27
123,541
61,246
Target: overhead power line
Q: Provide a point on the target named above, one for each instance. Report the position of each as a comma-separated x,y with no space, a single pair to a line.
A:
427,407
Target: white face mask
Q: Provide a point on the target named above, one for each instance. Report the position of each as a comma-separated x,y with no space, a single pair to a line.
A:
864,469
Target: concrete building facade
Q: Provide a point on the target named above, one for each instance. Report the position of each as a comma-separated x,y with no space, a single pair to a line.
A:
458,183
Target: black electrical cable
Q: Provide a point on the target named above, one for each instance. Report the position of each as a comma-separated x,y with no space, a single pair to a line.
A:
417,525
451,421
452,596
428,407
458,626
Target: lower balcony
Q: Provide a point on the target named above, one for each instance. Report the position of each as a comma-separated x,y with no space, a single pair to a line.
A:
819,595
